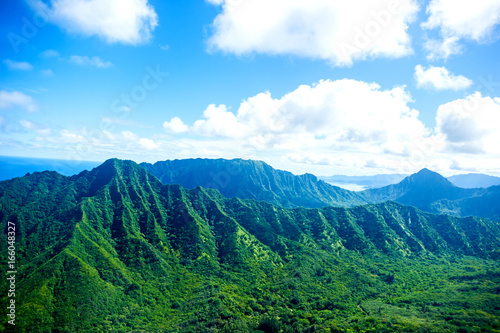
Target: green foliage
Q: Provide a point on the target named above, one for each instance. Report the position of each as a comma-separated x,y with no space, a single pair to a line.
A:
115,250
248,179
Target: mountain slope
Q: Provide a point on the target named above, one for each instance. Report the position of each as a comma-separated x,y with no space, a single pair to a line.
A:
248,179
114,249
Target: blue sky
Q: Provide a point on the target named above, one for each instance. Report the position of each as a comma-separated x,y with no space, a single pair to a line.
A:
308,86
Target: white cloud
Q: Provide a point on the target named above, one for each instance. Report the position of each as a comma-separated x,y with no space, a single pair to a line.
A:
49,54
18,65
111,121
90,61
148,144
338,31
94,144
175,125
470,125
116,21
44,131
440,78
14,99
437,49
71,137
330,115
219,122
127,135
460,20
28,125
47,72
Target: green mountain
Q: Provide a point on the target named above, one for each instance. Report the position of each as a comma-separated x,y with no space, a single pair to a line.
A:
432,192
248,179
420,190
114,249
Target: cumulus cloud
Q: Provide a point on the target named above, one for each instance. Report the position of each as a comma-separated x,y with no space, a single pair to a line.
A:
116,21
13,99
148,144
339,32
18,65
457,20
220,122
470,125
330,115
89,61
175,125
440,78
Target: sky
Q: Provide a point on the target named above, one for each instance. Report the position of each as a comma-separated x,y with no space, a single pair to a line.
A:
326,87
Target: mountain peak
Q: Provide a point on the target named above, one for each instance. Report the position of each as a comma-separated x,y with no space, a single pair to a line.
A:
112,169
426,175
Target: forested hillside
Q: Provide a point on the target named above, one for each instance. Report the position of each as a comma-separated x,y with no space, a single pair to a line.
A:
114,249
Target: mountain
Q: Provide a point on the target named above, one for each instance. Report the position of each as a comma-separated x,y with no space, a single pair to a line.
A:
485,204
474,180
248,179
365,182
113,249
431,192
257,180
420,190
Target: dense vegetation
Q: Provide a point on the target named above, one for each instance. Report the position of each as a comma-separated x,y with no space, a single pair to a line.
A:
249,179
115,250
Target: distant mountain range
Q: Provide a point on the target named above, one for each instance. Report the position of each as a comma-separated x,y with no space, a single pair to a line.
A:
472,180
248,179
257,180
364,182
114,249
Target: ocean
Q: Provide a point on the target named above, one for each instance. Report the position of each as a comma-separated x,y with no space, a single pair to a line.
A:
11,167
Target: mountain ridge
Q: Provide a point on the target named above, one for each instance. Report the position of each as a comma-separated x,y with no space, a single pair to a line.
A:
259,181
92,245
250,179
